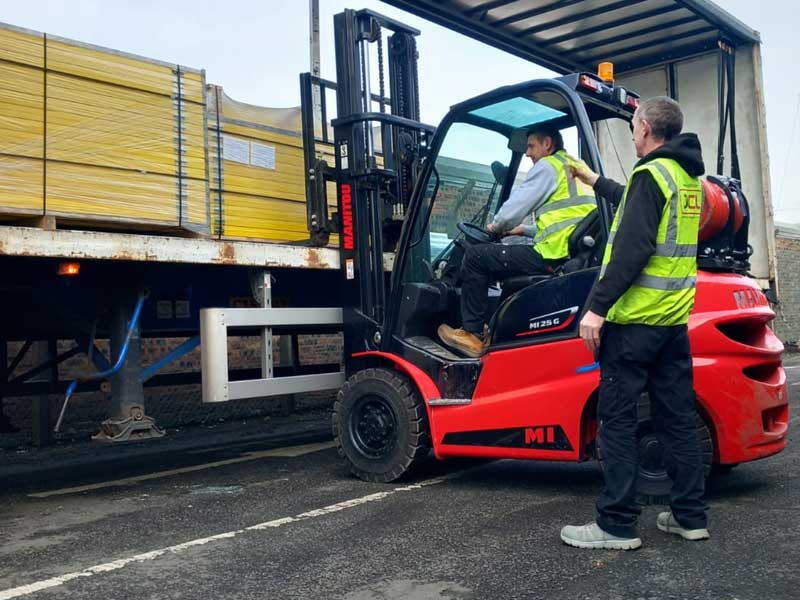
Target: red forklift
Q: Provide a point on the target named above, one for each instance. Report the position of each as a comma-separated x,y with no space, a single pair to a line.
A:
533,393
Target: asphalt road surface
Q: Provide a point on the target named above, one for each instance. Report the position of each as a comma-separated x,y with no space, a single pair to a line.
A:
291,522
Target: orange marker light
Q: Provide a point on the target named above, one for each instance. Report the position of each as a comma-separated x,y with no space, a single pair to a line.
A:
605,71
69,269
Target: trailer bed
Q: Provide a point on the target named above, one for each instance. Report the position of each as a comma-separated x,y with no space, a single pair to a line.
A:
101,245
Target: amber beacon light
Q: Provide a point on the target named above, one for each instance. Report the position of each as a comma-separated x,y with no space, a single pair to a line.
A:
605,71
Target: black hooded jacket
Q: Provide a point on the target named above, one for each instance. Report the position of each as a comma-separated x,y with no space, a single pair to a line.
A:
635,241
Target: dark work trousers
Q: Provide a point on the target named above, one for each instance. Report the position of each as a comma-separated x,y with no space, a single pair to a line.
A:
636,359
484,263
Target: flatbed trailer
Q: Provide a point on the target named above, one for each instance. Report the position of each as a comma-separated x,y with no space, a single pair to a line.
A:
69,244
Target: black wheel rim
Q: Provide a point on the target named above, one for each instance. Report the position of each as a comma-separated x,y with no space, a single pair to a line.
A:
373,427
651,458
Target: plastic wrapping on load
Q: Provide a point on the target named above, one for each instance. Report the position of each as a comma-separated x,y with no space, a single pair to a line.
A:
123,138
21,110
21,46
256,170
21,123
86,191
21,185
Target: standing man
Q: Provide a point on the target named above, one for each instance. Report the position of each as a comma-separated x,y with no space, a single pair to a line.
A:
637,324
558,201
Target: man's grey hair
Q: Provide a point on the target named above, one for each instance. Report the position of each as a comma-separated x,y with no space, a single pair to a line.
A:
664,115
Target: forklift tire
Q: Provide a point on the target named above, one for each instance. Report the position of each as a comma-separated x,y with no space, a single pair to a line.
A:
721,470
654,485
380,425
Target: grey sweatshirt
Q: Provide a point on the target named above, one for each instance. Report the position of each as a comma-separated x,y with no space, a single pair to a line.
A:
527,197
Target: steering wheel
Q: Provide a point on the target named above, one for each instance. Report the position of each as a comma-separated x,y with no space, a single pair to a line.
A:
475,234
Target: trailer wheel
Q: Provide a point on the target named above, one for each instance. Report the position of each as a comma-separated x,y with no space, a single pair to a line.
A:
654,485
380,425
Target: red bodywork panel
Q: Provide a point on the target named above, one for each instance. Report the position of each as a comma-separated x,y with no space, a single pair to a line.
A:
738,376
537,401
425,385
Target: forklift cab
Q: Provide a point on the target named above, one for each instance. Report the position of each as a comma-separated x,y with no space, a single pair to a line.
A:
459,192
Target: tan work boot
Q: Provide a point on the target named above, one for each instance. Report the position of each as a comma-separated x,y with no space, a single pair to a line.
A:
461,340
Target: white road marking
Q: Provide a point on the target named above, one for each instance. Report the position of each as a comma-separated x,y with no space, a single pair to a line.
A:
38,586
288,452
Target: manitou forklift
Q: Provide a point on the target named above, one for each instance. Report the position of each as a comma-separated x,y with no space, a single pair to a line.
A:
533,393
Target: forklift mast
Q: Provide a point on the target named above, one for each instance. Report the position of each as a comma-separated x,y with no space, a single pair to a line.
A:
377,161
355,33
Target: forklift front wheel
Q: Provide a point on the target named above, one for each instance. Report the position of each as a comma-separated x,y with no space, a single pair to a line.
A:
380,425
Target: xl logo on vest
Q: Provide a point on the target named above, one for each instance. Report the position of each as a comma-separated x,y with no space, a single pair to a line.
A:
691,202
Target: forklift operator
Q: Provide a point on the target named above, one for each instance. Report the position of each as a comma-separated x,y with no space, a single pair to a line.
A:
558,201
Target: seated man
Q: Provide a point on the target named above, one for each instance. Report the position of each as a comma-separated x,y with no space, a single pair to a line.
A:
559,202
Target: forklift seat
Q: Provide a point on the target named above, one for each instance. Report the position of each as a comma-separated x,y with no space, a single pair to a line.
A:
581,244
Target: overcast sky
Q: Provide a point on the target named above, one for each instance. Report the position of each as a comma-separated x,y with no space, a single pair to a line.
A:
255,50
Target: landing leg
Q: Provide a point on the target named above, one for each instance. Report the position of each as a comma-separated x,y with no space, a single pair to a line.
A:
128,420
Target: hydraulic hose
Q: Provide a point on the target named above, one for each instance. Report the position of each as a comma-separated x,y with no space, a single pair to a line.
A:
137,311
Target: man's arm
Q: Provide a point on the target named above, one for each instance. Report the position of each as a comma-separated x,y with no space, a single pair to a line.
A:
527,197
605,187
634,243
609,189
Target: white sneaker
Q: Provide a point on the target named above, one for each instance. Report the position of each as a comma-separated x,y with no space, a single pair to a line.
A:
666,522
591,536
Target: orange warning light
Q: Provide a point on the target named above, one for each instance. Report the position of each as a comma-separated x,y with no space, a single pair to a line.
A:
69,269
605,71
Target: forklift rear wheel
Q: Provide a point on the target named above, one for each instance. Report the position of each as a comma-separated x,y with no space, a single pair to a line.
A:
380,425
654,484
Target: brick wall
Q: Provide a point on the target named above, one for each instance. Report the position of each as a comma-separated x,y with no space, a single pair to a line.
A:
787,321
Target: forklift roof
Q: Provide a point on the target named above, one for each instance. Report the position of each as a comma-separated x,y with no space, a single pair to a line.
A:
574,35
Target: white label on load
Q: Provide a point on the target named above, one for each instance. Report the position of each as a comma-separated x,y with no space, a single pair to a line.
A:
262,156
235,149
350,268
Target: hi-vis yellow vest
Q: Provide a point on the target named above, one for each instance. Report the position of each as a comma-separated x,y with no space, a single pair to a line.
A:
663,294
563,210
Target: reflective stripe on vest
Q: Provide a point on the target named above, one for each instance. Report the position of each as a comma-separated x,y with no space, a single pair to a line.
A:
562,211
663,294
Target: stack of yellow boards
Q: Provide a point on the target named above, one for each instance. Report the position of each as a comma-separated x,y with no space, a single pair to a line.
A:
104,139
94,136
256,166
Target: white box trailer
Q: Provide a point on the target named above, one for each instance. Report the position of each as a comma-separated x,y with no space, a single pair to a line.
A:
693,83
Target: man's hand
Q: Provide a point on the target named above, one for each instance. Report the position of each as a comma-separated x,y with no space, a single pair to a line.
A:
518,230
490,228
591,324
584,173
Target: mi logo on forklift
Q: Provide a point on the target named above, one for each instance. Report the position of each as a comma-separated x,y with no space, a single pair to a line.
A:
749,298
535,437
347,217
540,435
